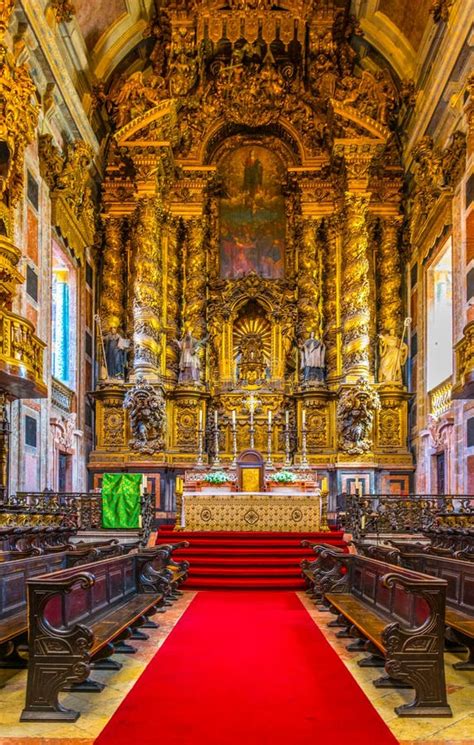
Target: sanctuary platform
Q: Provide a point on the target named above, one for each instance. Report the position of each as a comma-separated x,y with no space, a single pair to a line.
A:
246,560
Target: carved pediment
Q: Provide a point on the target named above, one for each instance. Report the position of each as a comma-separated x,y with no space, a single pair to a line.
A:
157,127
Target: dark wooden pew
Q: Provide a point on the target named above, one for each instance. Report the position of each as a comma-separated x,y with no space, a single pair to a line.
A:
459,576
380,551
77,615
398,616
313,571
13,597
457,543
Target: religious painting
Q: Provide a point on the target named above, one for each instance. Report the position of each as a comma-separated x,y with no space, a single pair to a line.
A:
252,214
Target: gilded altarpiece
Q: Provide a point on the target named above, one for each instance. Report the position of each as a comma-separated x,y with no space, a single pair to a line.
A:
252,195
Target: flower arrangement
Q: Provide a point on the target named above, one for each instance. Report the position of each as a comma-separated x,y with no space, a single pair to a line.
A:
284,477
216,477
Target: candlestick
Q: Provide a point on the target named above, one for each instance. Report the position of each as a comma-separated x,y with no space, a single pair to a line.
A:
199,459
234,440
216,460
287,439
252,431
269,463
304,454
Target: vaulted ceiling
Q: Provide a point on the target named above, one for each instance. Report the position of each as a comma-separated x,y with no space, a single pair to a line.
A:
113,30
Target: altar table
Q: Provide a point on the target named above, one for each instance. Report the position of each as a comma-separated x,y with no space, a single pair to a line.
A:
255,511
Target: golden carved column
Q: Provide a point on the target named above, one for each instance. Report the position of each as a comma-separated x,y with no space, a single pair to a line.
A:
355,295
331,295
309,281
172,297
194,312
113,281
389,277
147,288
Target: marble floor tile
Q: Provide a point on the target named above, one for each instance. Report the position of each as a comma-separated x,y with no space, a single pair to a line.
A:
460,686
96,708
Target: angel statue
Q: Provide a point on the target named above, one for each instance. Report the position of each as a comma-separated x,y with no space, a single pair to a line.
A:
189,361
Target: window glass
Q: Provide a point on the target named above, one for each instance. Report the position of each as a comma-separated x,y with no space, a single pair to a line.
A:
440,319
63,318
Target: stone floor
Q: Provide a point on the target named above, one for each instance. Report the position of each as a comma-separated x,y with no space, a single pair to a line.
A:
460,685
96,709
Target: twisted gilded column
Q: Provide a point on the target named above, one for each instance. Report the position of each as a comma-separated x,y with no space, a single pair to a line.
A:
113,277
147,288
194,311
331,283
309,281
355,287
389,277
172,297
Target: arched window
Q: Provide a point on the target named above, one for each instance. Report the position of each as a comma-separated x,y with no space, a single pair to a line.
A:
62,320
440,319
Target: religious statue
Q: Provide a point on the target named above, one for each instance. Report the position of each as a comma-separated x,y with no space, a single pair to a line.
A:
115,348
393,355
355,415
251,359
312,359
189,362
147,412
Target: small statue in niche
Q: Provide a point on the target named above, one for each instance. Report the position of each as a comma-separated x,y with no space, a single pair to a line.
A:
189,361
115,349
393,355
313,354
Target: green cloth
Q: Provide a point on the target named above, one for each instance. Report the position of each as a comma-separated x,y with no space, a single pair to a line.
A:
121,500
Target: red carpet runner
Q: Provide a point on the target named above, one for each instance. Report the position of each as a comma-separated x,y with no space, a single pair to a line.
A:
245,560
246,668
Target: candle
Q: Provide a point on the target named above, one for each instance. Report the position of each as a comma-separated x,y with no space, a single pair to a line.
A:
200,418
287,418
233,418
269,418
215,417
303,417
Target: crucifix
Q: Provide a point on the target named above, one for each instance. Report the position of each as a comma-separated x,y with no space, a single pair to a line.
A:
252,403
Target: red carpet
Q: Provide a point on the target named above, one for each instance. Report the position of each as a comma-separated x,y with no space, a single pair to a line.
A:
246,668
245,560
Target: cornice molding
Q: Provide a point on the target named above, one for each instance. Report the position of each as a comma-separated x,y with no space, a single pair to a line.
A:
45,36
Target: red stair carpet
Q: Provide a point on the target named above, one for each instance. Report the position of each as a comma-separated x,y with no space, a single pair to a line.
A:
246,668
245,560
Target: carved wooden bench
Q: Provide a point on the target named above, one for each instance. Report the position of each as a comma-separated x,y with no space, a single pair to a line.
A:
179,570
397,615
313,571
13,596
456,543
459,576
77,615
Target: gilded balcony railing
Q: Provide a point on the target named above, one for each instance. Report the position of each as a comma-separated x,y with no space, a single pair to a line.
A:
21,356
61,395
440,398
